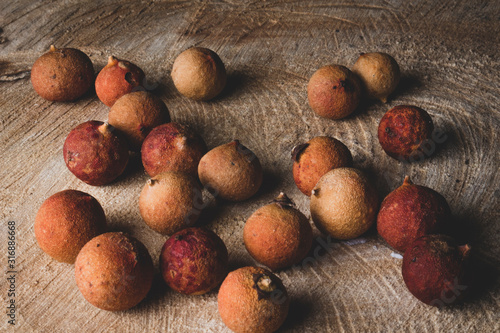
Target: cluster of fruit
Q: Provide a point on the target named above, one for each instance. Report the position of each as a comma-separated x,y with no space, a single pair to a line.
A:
114,271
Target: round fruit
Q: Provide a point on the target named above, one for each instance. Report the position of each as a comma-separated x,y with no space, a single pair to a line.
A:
344,203
136,114
94,153
172,147
170,201
334,92
117,78
199,73
379,73
403,132
278,235
194,261
232,171
114,271
435,269
62,74
66,221
409,212
313,159
252,299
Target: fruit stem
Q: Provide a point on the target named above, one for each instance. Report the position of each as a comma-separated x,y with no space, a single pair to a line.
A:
52,48
112,61
407,181
265,284
104,128
464,250
283,200
297,150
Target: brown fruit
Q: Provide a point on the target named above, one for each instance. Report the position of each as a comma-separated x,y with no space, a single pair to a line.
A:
117,78
313,159
409,212
379,74
232,171
343,203
403,132
170,201
194,261
435,270
199,73
136,114
66,221
62,74
114,271
278,235
94,153
252,299
172,147
334,92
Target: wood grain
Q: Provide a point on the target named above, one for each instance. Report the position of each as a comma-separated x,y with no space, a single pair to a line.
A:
448,54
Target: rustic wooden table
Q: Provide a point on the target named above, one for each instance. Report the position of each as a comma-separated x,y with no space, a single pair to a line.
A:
448,53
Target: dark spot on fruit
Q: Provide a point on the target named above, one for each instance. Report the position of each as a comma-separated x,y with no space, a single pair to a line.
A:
98,245
232,163
54,76
414,259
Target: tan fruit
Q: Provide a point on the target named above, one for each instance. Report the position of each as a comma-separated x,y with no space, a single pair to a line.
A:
343,203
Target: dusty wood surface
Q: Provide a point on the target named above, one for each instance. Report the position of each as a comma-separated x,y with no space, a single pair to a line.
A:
448,54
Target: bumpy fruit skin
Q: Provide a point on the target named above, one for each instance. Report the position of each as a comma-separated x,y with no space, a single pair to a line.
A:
66,221
278,235
95,153
409,212
253,300
136,114
199,73
172,147
194,261
62,74
231,171
344,204
379,73
334,92
170,201
114,271
117,78
403,132
435,270
315,158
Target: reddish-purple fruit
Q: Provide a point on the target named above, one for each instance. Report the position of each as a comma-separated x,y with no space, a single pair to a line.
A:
117,78
313,159
404,131
136,114
435,270
66,221
252,299
334,92
409,212
194,261
278,235
94,153
172,147
62,74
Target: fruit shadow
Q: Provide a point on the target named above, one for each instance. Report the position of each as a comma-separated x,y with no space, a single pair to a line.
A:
407,83
156,294
236,82
299,310
133,169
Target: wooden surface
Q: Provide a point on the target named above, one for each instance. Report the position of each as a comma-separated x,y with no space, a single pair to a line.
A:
448,53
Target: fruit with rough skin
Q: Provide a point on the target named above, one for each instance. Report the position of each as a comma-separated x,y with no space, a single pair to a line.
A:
114,271
334,92
404,131
435,270
194,261
231,171
313,159
117,78
62,74
252,299
344,203
198,73
66,221
170,201
278,235
95,153
172,147
409,212
379,73
136,114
